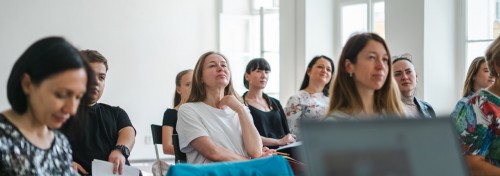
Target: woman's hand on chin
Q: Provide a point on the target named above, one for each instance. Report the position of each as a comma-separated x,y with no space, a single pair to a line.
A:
230,101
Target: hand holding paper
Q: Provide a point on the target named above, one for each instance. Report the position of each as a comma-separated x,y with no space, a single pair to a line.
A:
104,168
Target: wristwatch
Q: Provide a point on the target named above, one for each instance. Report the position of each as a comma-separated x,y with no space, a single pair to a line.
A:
124,149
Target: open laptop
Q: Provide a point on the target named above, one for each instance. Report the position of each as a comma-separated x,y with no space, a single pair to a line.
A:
388,147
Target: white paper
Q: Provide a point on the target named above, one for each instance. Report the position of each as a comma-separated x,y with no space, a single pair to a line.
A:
104,168
295,144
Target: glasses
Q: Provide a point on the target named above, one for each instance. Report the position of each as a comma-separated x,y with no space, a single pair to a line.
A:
405,56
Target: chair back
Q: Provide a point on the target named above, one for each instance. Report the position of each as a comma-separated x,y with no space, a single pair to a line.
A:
180,157
156,131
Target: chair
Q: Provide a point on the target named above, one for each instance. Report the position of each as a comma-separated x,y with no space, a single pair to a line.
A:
180,157
275,165
156,131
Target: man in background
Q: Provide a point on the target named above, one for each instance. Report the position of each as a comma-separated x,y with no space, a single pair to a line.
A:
106,133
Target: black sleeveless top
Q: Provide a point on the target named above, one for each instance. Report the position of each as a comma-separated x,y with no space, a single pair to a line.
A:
272,124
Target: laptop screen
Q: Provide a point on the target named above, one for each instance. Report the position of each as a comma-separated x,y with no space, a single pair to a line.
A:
382,147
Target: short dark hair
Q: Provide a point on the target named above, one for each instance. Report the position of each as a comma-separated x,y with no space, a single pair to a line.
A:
44,58
305,81
254,64
94,56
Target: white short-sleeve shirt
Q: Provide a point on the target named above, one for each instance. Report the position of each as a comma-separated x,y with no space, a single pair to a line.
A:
197,119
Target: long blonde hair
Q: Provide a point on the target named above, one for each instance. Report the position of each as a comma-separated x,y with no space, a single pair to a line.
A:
471,73
198,91
343,93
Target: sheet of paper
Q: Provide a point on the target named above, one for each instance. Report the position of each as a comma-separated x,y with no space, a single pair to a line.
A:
104,168
295,144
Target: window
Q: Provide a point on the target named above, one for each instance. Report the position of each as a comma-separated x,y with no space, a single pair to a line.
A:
250,32
361,16
497,11
483,27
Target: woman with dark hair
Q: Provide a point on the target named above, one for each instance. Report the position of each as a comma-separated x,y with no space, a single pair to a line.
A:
407,79
478,77
267,113
312,100
44,89
364,86
477,122
182,88
214,124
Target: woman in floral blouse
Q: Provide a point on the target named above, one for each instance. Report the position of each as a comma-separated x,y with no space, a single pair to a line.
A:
44,89
478,122
312,100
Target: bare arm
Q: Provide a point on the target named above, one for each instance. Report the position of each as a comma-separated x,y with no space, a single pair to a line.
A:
251,137
287,139
479,166
166,139
126,136
212,152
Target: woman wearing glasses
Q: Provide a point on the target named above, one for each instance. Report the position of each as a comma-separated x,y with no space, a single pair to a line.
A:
407,78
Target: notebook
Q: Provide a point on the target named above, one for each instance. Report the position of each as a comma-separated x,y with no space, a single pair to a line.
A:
382,147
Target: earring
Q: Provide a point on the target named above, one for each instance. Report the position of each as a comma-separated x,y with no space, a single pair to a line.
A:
350,75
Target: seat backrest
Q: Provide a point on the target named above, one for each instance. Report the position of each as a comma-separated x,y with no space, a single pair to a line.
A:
156,131
179,156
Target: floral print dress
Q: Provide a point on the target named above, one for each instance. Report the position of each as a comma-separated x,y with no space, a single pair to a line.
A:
20,157
305,105
478,125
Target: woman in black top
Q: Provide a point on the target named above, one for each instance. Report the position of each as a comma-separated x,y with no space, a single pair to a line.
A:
182,87
267,112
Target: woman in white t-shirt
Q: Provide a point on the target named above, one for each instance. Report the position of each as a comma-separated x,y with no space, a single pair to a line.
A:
214,125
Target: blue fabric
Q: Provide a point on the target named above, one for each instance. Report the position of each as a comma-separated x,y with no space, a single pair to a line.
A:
425,109
275,165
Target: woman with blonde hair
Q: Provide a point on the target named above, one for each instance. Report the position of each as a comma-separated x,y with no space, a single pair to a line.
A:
214,124
478,77
364,86
477,122
182,88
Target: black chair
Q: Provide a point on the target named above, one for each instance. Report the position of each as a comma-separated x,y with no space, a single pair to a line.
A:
179,156
156,131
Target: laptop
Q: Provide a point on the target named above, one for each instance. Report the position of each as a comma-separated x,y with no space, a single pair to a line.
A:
388,147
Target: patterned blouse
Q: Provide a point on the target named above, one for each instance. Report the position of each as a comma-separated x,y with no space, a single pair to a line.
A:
20,157
305,105
478,126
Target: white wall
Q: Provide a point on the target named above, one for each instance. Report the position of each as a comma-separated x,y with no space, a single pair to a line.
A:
414,27
306,30
440,63
146,42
